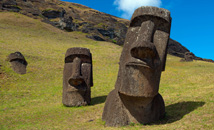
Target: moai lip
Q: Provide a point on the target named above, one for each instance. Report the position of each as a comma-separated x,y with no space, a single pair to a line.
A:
135,97
77,77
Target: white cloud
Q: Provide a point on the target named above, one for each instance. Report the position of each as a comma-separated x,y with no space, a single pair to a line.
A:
128,6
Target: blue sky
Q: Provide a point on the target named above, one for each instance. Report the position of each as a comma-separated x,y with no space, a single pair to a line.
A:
192,20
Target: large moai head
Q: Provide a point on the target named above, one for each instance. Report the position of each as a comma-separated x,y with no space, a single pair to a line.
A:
135,97
144,53
77,77
18,62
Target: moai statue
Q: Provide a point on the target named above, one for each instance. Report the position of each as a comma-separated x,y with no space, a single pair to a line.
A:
135,98
18,62
77,77
189,56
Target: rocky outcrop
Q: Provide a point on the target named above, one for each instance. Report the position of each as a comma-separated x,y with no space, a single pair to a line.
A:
10,5
176,49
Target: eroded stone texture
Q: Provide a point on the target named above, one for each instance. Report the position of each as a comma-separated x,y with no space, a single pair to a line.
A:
77,77
135,97
189,56
18,62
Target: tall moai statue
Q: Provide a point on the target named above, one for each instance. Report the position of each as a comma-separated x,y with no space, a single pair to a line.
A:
18,62
77,77
135,98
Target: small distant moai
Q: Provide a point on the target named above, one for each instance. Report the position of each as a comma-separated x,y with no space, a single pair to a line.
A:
189,56
77,77
18,62
135,98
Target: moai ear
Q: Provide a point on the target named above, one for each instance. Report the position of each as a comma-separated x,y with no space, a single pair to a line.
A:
161,42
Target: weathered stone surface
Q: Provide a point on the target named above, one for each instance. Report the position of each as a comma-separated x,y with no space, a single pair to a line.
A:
10,5
135,97
94,37
50,13
77,77
18,62
176,49
68,24
188,57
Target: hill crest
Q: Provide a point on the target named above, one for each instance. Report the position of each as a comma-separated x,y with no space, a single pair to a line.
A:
76,17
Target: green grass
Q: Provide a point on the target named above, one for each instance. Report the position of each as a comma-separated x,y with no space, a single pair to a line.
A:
33,100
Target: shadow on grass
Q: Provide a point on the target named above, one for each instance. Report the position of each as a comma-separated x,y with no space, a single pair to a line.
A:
98,100
178,110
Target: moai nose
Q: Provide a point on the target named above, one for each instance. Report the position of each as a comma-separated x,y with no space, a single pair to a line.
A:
76,77
143,48
76,67
146,31
143,45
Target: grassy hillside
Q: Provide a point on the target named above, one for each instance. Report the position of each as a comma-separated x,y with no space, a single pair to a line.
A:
33,100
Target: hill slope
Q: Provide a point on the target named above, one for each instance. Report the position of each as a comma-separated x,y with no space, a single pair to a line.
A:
72,17
33,100
75,17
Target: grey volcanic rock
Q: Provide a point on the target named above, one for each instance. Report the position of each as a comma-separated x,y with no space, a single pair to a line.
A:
94,37
135,97
176,49
10,5
68,24
53,13
18,62
77,77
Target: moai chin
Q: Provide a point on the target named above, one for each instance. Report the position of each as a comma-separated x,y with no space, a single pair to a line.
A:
18,62
135,98
77,77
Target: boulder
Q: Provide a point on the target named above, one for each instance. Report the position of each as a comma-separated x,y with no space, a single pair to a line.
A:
10,5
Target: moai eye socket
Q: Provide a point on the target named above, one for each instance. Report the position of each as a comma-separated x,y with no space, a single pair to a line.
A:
160,23
84,58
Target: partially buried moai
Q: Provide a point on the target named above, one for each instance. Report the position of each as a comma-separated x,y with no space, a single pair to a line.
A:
77,77
18,62
135,98
189,56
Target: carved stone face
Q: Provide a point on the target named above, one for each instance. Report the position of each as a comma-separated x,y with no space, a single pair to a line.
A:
144,53
189,56
18,62
77,77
